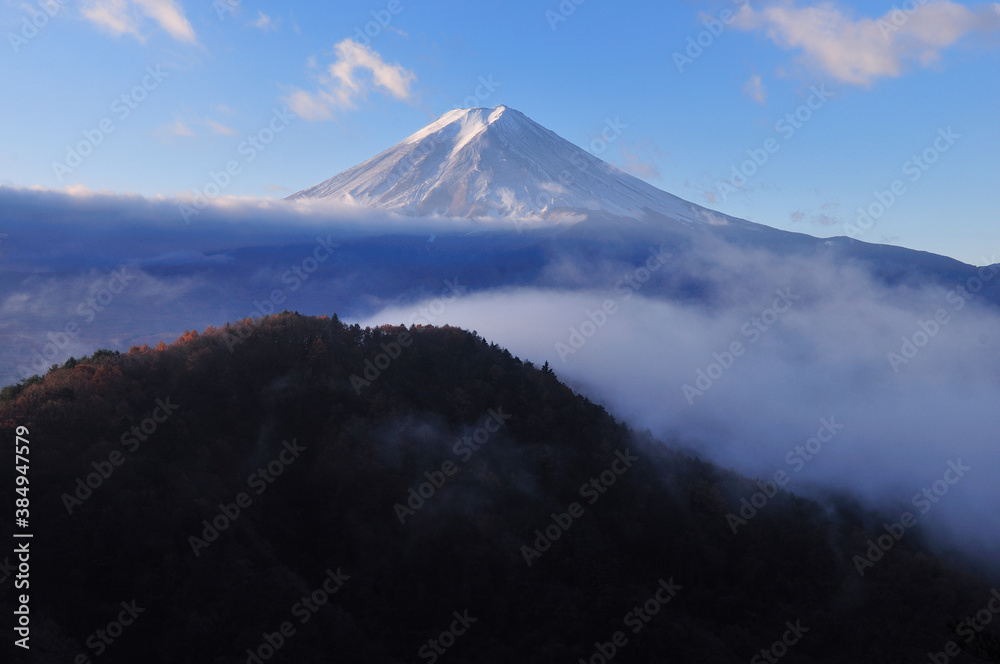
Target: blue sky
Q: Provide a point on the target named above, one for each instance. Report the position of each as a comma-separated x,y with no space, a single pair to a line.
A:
201,78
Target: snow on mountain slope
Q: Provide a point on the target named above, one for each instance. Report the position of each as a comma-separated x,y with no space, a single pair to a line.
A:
481,162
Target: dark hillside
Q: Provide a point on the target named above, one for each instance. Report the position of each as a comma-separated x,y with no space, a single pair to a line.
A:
417,495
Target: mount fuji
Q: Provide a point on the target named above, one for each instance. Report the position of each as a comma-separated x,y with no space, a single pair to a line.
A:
498,163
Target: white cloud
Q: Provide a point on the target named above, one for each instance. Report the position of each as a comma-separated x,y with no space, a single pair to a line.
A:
754,88
125,16
639,159
860,50
219,128
112,15
264,22
193,126
309,106
357,70
178,128
170,15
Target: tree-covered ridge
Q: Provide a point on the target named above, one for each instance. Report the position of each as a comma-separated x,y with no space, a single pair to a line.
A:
330,430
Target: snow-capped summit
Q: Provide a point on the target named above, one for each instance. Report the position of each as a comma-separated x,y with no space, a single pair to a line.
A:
496,162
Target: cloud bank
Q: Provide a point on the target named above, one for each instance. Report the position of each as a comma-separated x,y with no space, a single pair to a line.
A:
859,51
908,394
738,353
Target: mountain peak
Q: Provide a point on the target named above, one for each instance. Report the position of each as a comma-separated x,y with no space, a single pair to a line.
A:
470,122
494,163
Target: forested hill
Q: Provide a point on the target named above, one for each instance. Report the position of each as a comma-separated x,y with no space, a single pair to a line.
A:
293,489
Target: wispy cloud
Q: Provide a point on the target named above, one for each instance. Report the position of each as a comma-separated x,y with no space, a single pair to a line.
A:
125,17
635,163
112,15
219,128
818,218
357,70
861,50
264,22
170,15
193,125
177,129
754,88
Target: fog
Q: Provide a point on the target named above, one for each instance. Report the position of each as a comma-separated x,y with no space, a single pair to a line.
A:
821,349
65,226
759,357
